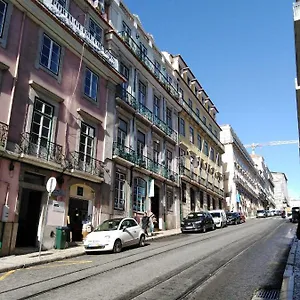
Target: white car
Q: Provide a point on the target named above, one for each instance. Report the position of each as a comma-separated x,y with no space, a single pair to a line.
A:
219,217
115,234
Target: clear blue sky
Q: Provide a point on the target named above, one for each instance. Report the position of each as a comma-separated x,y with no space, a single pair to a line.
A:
243,54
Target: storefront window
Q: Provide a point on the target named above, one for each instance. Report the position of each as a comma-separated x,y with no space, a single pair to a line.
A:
139,196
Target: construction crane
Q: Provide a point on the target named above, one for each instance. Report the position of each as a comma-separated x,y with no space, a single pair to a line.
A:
275,143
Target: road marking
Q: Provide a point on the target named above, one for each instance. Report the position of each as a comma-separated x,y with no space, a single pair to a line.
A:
60,264
7,274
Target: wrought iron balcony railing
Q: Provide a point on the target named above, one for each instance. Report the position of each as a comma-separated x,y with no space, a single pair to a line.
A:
39,147
137,50
3,134
143,162
72,23
84,163
197,118
146,112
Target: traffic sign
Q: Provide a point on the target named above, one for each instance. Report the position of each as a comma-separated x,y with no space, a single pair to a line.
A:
51,184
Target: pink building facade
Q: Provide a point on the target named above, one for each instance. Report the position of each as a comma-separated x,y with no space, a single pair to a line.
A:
56,81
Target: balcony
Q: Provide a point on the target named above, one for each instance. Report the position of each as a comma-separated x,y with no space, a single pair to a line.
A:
198,120
130,100
84,163
3,135
147,62
41,148
184,171
143,162
83,33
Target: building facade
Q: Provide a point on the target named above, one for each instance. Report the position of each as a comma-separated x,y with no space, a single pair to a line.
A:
57,78
267,185
243,182
200,149
143,129
281,197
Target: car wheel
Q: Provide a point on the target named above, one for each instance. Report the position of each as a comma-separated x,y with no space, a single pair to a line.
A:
117,246
204,229
214,227
235,222
142,241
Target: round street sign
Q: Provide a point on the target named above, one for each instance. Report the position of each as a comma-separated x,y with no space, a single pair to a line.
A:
51,184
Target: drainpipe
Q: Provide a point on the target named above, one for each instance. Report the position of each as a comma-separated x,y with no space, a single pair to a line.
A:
16,72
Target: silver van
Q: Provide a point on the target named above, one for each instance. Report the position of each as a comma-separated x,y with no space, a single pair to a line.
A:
219,217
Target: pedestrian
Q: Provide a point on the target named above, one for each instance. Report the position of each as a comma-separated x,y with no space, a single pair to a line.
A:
298,228
145,223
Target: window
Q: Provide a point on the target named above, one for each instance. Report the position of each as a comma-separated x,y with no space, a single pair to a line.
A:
62,3
199,142
139,194
50,55
182,127
122,132
156,106
169,117
126,29
182,93
120,191
157,68
125,72
141,142
41,125
156,150
198,112
3,10
91,84
188,80
208,108
95,30
204,120
86,145
205,148
210,128
182,157
190,103
192,135
169,159
183,192
142,93
215,133
218,159
212,154
143,50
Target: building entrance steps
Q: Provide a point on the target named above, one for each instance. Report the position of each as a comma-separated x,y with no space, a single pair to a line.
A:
14,262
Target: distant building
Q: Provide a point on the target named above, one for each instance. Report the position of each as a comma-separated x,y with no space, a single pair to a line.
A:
280,190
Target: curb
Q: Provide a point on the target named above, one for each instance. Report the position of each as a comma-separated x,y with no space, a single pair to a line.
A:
287,287
65,256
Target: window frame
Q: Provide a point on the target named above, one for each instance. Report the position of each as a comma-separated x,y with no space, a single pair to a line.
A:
199,142
91,20
92,75
182,126
192,135
139,205
206,148
120,180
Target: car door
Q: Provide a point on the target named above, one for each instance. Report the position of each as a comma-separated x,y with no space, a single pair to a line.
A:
134,230
125,232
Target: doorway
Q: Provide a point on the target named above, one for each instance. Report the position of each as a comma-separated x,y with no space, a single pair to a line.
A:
29,215
208,202
192,199
155,201
78,212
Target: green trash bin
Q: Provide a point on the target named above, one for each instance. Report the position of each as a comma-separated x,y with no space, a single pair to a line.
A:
62,237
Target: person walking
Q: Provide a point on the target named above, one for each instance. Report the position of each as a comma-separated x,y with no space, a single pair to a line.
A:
145,223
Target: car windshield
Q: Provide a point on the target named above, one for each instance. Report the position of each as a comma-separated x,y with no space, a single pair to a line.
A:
260,211
195,216
215,214
109,225
231,214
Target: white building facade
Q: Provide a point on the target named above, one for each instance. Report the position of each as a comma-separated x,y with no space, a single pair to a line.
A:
281,196
242,180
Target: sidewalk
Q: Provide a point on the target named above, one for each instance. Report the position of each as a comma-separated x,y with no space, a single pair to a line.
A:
290,289
14,262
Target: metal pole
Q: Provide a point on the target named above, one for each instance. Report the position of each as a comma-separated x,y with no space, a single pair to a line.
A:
44,224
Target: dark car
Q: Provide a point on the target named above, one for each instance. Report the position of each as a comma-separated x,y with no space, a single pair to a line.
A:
295,214
197,221
233,218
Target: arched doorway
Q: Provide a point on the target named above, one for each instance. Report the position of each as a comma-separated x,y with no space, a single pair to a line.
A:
155,203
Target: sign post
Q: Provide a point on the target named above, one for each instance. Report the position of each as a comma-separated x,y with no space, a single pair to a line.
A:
50,187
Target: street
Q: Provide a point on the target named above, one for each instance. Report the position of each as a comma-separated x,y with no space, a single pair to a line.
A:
230,263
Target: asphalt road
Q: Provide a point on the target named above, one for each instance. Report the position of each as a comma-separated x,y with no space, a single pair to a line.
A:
230,263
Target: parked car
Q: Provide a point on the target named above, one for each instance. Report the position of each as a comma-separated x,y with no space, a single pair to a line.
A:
295,214
268,213
242,217
261,214
114,235
219,217
233,218
283,214
197,221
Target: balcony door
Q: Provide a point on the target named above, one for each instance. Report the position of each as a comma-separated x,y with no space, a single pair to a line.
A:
38,141
141,142
122,133
142,93
125,72
86,148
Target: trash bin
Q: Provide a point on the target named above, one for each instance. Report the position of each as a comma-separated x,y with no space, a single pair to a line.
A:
62,237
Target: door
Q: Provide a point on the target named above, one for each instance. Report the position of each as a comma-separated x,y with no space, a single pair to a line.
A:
192,199
29,218
128,232
155,201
